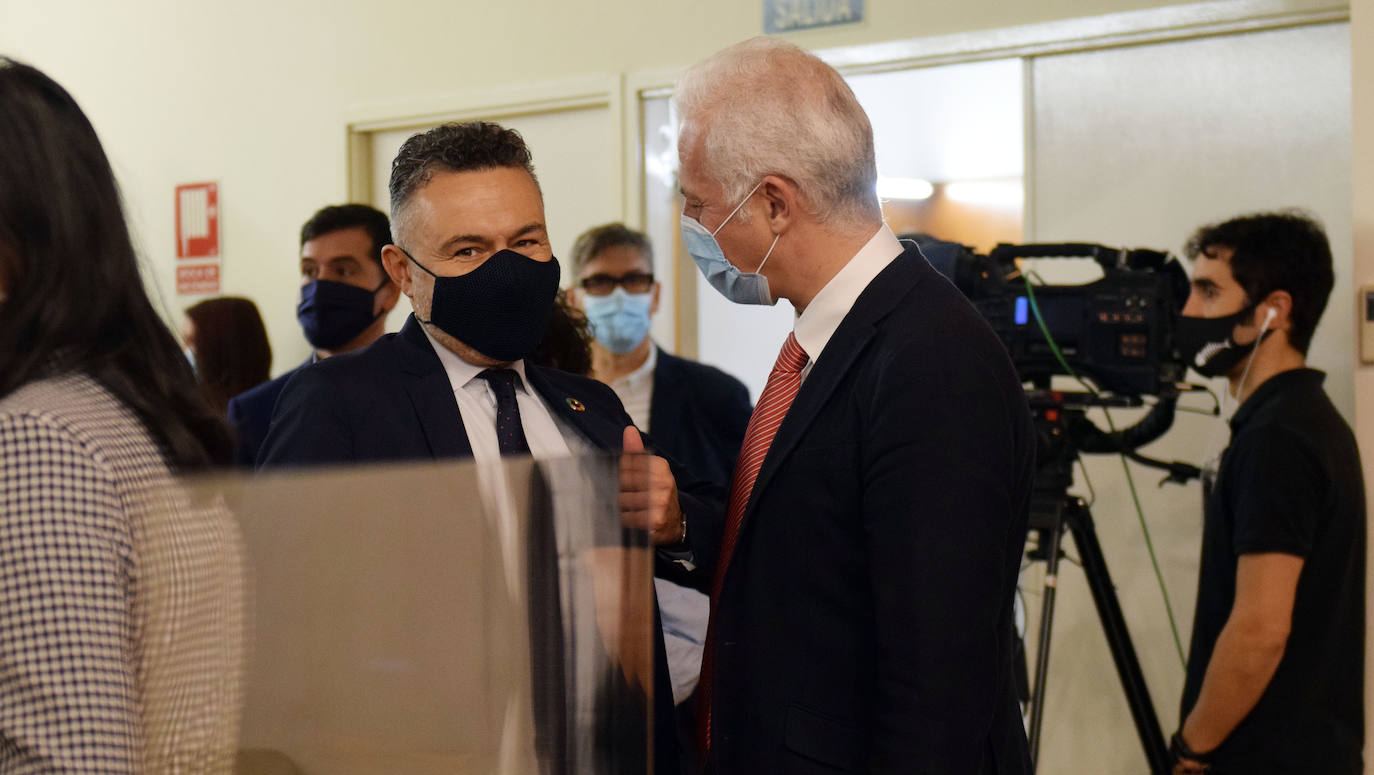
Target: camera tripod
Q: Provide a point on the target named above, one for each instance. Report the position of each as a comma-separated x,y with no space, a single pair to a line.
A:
1053,512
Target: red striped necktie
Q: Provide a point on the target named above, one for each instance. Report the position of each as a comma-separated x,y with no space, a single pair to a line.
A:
778,394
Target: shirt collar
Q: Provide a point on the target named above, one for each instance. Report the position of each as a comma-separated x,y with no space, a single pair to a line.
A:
1283,382
827,310
459,371
644,373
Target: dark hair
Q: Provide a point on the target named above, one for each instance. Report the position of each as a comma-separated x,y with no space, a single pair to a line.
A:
76,302
337,217
567,343
231,347
593,241
1281,251
457,147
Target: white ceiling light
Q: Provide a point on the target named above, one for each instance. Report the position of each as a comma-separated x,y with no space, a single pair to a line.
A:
912,189
1008,194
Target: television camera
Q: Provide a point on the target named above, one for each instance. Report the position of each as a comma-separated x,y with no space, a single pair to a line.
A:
1115,333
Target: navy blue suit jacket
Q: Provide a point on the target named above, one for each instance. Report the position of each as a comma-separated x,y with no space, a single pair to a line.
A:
698,416
865,619
392,401
250,415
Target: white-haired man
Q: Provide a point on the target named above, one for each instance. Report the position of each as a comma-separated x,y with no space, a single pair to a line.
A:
862,579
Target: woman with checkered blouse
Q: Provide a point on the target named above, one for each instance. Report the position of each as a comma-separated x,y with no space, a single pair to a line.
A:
120,595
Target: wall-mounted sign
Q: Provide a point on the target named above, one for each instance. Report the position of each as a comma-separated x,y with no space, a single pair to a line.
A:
197,225
198,279
791,15
197,208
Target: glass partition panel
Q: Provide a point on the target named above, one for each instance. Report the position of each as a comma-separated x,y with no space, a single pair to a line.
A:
440,618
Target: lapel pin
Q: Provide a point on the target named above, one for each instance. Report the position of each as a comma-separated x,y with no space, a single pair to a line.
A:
576,406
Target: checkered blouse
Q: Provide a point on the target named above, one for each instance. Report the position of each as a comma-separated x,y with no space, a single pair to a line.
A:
121,601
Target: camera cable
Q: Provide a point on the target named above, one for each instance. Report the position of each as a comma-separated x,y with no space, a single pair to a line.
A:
1125,466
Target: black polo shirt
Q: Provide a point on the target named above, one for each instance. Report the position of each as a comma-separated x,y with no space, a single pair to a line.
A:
1290,481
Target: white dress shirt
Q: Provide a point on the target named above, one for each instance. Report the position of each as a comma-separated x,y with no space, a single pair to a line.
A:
547,437
827,310
636,390
477,407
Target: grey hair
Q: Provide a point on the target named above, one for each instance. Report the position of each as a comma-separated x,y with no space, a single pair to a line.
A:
453,147
766,107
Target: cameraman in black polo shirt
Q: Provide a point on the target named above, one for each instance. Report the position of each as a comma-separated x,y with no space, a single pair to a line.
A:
1276,666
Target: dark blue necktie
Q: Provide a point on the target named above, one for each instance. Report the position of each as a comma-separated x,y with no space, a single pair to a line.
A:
510,434
547,669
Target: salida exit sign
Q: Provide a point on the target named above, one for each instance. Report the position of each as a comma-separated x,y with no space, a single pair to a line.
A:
789,15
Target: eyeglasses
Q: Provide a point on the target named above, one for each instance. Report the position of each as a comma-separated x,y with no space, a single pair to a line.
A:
604,284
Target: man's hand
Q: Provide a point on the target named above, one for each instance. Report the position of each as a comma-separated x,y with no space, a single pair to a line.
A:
624,607
648,493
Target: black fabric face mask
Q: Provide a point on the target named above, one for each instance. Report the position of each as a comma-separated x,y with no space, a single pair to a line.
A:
332,313
1207,344
500,309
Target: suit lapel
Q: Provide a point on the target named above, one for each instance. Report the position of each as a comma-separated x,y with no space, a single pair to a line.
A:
668,389
840,353
431,395
855,332
575,410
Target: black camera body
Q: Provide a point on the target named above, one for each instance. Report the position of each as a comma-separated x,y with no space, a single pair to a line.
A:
1117,330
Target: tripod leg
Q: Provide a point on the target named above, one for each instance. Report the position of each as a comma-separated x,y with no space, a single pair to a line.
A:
1051,539
1080,523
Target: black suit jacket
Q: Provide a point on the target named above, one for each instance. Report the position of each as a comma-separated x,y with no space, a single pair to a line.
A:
392,401
865,622
698,416
250,415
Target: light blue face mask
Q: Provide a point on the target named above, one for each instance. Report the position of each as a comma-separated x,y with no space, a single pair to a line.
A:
739,287
620,320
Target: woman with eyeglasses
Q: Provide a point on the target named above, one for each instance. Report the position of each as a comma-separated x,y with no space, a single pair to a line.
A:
120,596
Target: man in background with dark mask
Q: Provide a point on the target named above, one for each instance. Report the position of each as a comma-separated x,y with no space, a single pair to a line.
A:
344,300
1275,669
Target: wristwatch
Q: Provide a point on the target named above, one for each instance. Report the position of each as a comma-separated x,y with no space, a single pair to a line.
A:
1180,750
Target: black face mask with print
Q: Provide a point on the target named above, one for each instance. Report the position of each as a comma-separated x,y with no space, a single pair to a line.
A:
1208,344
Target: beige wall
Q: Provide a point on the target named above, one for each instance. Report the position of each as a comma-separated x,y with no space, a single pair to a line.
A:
1362,116
257,94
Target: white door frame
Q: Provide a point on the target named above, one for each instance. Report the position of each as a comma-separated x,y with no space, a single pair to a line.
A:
365,120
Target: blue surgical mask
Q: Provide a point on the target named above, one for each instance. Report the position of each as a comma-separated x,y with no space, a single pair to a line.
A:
620,320
737,286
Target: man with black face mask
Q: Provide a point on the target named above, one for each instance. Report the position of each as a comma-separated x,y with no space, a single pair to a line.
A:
1274,680
471,251
344,300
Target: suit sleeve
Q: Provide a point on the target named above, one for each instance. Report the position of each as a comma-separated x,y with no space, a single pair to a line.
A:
946,466
67,661
247,441
309,426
